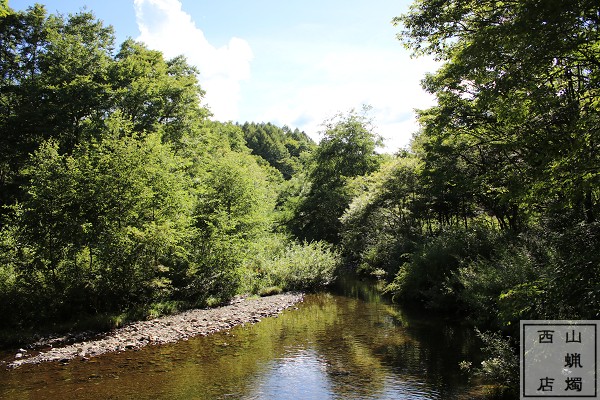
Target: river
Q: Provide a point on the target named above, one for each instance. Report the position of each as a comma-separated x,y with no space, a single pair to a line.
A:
349,343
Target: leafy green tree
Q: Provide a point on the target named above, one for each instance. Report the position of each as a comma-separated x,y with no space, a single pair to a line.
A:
280,147
98,224
514,136
347,149
235,197
53,80
60,81
80,94
22,37
529,77
385,216
156,94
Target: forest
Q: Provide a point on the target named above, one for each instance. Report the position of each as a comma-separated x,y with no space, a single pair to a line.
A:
121,198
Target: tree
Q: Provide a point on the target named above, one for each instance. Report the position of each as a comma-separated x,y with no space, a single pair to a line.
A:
515,133
346,150
156,94
528,75
97,224
53,79
280,147
385,217
60,80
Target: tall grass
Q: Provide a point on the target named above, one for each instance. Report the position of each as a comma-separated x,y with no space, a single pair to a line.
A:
289,265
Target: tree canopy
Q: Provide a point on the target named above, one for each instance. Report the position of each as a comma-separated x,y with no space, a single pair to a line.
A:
118,194
518,89
347,150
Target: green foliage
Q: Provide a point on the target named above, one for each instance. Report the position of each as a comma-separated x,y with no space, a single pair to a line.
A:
379,227
276,261
235,197
305,266
523,120
97,224
60,81
429,275
502,365
508,285
154,93
234,208
347,150
572,274
280,147
120,200
493,211
4,8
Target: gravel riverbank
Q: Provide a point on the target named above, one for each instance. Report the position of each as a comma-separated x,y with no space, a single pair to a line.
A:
168,329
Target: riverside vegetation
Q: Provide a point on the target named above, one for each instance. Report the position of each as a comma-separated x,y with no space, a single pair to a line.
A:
121,197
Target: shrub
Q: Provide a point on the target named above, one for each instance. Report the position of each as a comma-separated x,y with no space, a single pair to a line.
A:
503,288
429,275
290,265
305,266
501,368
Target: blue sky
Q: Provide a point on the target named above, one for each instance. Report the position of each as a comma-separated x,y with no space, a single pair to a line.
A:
288,62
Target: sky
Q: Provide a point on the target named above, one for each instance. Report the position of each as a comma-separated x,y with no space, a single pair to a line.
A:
289,62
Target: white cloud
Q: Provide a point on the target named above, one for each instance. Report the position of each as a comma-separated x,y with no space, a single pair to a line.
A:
297,81
166,27
387,80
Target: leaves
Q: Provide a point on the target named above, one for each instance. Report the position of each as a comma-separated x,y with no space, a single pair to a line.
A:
347,150
116,191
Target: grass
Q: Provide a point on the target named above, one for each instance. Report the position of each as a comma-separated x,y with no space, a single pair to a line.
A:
270,291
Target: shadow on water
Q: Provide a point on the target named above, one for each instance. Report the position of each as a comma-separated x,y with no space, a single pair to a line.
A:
347,344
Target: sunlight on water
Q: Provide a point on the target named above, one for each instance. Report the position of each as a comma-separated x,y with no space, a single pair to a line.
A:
349,346
299,375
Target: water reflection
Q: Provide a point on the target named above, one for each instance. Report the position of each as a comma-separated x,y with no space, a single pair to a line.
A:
350,346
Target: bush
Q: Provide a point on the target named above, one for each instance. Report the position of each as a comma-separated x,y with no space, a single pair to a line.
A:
290,265
573,284
501,289
305,266
429,276
501,368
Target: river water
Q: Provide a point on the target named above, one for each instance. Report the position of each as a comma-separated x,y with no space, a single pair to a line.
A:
345,344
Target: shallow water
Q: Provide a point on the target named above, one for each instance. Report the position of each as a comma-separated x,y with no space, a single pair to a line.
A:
346,345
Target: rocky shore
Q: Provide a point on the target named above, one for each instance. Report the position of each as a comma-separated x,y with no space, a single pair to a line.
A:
168,329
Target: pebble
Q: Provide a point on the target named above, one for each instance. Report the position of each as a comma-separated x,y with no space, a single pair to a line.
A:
169,329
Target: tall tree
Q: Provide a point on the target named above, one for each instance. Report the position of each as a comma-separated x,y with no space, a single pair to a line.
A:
521,80
60,80
156,94
347,149
97,224
280,147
